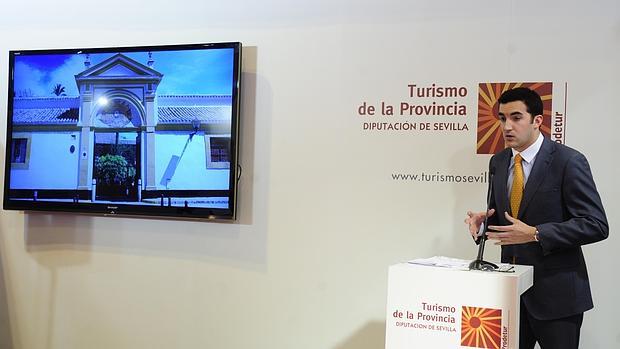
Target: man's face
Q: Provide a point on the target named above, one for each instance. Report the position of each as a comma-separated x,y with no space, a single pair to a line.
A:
519,130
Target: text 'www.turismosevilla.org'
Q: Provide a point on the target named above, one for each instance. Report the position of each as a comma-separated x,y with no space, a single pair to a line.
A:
441,177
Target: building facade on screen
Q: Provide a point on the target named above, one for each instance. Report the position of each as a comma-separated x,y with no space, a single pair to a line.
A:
121,130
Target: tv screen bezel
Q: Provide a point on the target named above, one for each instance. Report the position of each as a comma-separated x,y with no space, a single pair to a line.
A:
128,210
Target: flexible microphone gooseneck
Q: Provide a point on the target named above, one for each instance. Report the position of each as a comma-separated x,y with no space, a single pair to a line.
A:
479,263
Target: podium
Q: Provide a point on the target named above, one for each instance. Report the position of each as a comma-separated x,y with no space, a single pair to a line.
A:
435,307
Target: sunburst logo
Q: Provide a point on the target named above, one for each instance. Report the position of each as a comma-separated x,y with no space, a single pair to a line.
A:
481,327
489,136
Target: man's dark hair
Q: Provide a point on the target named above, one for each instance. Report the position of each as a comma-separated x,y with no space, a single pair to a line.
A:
530,98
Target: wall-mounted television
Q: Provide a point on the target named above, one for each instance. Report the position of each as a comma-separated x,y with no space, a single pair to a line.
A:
145,130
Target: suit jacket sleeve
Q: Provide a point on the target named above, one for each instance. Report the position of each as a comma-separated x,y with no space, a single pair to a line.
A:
584,220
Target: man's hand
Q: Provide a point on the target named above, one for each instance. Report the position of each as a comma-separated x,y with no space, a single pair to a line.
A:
515,233
474,220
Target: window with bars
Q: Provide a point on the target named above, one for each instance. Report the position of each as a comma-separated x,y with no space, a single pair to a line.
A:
20,145
218,152
20,152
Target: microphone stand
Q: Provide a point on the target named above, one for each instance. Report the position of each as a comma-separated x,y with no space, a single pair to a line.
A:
479,263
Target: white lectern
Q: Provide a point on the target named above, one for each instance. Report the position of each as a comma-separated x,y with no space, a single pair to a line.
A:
434,307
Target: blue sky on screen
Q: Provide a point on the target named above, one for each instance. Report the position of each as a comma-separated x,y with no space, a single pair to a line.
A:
185,72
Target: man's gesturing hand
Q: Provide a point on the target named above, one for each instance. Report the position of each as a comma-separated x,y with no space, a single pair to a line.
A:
515,233
474,220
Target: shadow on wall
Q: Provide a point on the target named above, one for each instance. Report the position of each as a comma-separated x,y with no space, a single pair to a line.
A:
6,340
371,336
248,129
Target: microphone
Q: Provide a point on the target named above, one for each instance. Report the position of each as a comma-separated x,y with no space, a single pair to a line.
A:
479,263
483,228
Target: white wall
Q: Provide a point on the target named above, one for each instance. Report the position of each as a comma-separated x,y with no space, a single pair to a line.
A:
305,266
191,170
47,150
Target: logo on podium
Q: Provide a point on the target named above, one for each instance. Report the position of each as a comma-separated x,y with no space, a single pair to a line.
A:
481,327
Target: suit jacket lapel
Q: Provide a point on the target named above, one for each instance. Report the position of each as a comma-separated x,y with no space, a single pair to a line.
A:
543,160
500,184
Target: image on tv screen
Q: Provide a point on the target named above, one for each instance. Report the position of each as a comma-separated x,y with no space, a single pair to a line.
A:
151,128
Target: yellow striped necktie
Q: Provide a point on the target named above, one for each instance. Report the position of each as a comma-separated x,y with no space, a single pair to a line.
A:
516,192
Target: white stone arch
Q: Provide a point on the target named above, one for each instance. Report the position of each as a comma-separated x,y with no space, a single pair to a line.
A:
122,95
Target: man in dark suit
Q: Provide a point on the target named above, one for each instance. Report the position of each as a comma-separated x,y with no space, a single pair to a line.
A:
545,206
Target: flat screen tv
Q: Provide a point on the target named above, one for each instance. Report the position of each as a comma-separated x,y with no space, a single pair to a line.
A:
148,131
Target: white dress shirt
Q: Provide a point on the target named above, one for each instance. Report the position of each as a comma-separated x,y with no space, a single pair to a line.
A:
529,156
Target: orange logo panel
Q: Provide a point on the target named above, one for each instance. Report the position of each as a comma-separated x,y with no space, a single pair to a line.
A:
481,327
489,136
